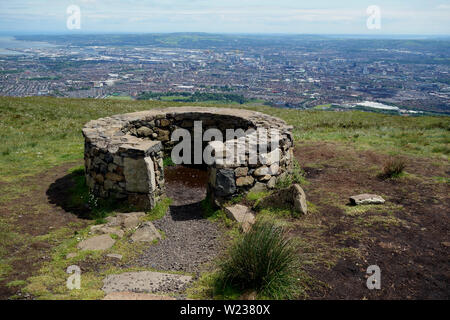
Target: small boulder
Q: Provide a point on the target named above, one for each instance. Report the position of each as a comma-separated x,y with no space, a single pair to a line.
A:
225,183
131,220
241,214
299,197
244,181
115,256
105,229
292,197
146,233
101,243
144,132
262,171
366,199
241,172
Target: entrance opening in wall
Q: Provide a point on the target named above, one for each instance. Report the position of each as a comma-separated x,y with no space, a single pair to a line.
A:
185,185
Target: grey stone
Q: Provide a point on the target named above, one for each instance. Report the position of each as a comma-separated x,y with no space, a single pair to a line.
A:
144,131
241,172
131,221
265,178
225,182
118,160
272,182
105,229
100,243
114,177
146,233
293,198
144,281
261,171
274,169
258,187
115,256
242,215
366,199
245,181
299,198
139,175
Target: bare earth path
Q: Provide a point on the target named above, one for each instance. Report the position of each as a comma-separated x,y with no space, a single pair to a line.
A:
34,212
190,240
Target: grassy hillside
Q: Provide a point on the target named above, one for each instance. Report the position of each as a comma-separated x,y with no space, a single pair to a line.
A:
38,133
341,154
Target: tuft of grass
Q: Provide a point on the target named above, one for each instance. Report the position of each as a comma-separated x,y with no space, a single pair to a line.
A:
255,196
296,176
393,168
214,214
159,210
264,260
168,162
16,283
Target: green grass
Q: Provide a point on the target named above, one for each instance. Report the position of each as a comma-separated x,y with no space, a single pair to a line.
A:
297,176
393,168
126,98
255,196
38,133
159,210
212,213
263,260
322,106
168,162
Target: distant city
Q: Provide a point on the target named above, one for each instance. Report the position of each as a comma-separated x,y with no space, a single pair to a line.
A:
400,76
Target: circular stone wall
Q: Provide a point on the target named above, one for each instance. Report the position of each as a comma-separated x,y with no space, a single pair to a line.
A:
124,153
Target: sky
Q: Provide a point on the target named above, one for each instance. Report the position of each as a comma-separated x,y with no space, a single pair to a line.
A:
414,17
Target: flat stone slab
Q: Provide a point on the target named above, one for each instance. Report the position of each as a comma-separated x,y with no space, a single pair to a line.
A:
102,242
145,282
135,296
104,229
125,220
146,233
115,256
366,199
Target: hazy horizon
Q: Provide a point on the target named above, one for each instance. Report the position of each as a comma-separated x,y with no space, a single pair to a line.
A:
323,17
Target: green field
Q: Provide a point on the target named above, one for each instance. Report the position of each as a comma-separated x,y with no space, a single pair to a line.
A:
38,133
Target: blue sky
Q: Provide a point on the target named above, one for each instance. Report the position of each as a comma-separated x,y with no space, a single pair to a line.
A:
227,16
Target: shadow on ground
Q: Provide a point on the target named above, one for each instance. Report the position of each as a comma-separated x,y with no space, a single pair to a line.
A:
62,194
